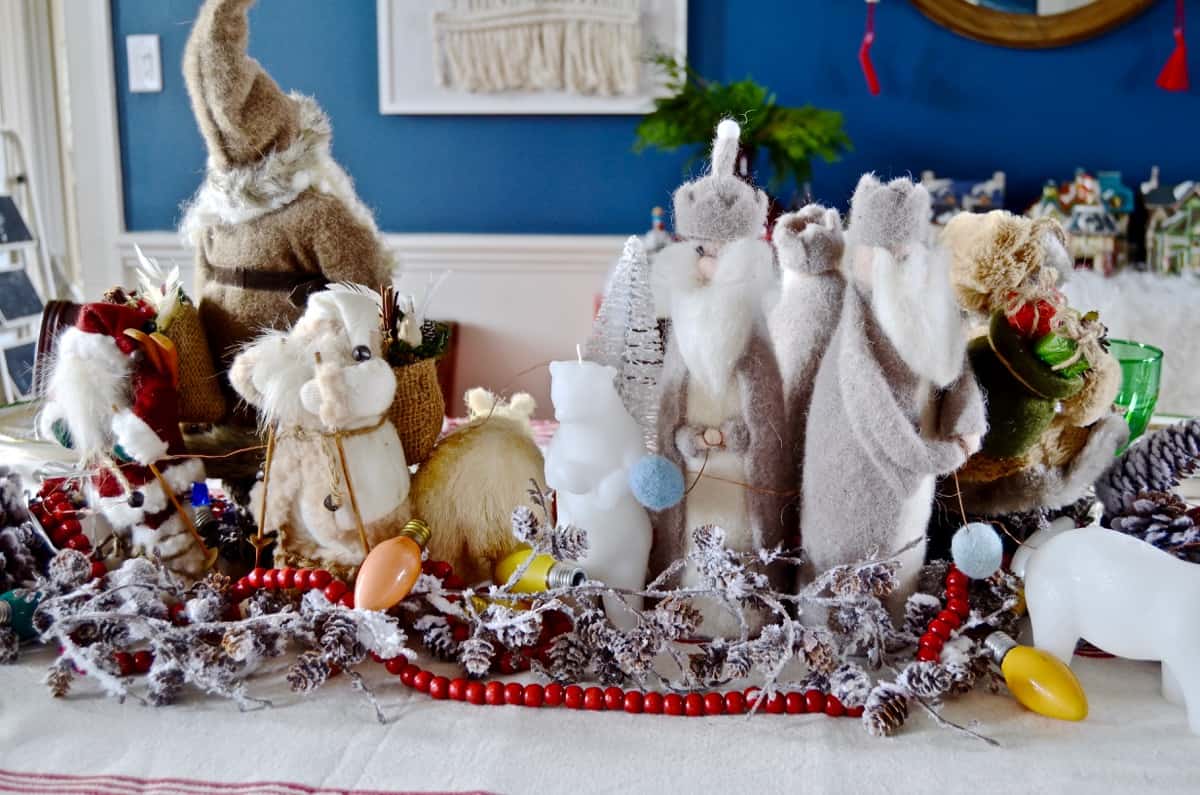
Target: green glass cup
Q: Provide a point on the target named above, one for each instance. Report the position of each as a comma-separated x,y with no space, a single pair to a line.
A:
1141,372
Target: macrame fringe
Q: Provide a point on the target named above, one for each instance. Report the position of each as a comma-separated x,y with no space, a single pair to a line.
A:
579,46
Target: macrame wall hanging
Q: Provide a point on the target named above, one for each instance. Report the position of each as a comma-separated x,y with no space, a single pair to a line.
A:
590,47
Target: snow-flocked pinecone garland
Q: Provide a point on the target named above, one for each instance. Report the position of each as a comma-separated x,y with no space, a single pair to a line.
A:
886,710
308,672
475,654
926,680
1161,519
438,637
919,610
850,685
165,682
338,639
70,569
1156,463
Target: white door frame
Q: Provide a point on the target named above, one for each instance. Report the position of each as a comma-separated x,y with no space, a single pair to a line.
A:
92,140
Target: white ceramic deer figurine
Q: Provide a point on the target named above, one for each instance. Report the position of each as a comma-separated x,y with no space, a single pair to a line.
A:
1121,595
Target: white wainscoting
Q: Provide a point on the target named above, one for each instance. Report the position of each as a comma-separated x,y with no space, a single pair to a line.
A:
520,300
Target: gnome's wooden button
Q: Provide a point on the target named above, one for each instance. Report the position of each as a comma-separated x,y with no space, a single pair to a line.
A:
713,437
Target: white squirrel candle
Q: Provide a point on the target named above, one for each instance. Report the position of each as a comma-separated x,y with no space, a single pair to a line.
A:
587,465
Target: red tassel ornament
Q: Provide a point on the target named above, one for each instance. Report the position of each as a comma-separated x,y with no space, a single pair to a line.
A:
1174,75
864,51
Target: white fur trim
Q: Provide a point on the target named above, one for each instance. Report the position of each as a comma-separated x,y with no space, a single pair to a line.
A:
137,439
182,475
121,514
240,194
89,377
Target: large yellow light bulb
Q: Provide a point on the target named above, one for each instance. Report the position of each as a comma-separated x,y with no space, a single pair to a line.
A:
544,572
1038,680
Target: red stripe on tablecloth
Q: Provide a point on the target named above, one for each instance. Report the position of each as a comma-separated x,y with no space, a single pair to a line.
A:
56,783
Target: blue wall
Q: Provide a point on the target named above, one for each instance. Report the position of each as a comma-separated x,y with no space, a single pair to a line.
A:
961,108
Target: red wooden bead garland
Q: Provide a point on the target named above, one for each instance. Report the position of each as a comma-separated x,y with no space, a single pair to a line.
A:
498,693
943,626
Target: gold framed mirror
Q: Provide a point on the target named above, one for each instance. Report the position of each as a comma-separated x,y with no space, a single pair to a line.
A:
1031,24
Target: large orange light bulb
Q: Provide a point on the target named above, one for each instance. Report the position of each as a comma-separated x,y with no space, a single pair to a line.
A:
391,569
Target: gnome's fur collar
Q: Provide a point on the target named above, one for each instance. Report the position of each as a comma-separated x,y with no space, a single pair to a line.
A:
239,194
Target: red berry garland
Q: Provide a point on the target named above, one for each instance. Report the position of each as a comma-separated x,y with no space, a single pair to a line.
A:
497,693
943,625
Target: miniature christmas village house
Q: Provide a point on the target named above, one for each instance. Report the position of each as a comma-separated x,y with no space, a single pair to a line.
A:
1173,233
1095,213
949,196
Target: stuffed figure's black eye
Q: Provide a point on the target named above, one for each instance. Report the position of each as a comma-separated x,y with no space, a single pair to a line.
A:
137,499
150,327
700,250
361,353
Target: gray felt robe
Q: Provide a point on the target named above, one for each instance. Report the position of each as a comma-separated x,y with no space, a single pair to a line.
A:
869,471
761,438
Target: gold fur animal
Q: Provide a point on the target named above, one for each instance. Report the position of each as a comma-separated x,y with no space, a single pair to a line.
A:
466,491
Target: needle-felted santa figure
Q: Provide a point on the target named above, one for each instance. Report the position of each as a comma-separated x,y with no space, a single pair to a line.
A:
722,417
276,218
895,403
112,397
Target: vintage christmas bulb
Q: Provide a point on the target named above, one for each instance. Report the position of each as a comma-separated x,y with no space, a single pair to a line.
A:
1038,680
391,569
16,611
544,573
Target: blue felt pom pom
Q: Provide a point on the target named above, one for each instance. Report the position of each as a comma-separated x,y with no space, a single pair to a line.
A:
977,550
656,483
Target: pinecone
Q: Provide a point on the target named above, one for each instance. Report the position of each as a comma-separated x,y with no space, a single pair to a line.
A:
165,683
569,542
818,650
932,578
886,710
525,526
204,607
1079,511
1156,463
337,637
59,677
475,655
70,569
568,658
919,610
438,637
1162,519
18,560
308,672
851,685
925,680
266,603
10,645
962,677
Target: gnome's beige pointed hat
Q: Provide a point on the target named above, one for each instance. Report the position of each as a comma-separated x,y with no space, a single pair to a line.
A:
720,206
243,114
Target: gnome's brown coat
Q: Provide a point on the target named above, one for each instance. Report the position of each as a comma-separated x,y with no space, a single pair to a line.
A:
273,202
762,440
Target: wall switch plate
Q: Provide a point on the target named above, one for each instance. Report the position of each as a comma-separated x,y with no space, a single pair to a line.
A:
145,63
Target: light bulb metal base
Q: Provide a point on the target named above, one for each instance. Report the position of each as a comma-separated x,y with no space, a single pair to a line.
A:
562,575
418,531
999,644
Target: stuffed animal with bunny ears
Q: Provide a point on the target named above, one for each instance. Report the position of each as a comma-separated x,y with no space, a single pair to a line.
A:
337,471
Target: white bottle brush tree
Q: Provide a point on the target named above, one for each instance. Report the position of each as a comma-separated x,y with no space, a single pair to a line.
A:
625,336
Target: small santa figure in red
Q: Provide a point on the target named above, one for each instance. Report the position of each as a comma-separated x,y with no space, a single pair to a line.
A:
112,396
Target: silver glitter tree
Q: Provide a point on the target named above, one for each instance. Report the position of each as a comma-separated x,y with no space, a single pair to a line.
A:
625,336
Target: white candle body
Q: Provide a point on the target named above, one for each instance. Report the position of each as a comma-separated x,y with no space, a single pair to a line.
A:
587,464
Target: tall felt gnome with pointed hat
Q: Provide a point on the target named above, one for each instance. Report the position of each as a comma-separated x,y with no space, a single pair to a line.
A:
722,416
113,397
276,218
894,404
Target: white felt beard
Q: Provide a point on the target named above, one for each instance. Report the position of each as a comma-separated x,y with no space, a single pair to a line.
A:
913,302
712,324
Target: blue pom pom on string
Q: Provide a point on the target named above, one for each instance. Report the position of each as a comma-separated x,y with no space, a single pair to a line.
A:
977,550
656,483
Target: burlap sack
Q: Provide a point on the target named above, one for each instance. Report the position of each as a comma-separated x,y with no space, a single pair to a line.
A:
418,409
200,398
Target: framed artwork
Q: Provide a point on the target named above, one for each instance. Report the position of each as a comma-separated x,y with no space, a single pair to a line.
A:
525,56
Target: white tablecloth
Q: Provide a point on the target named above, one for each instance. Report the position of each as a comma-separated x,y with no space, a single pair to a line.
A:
1133,741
